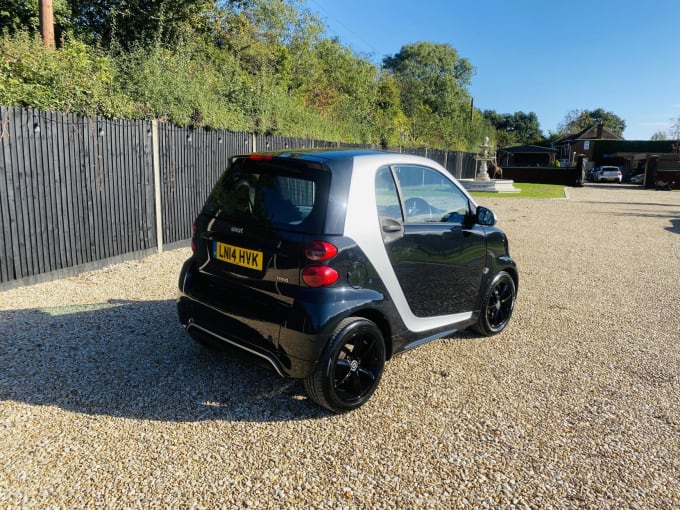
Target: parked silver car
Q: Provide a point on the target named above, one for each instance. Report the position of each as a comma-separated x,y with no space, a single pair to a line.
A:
609,174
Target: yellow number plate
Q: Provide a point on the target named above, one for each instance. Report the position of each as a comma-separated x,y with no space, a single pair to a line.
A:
251,259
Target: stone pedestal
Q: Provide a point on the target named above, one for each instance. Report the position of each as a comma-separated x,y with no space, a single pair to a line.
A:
483,159
490,185
483,173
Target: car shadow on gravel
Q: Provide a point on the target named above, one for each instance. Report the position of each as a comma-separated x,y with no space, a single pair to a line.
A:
133,360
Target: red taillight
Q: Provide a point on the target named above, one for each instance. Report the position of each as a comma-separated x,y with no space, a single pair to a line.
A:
316,275
261,157
193,236
318,251
319,276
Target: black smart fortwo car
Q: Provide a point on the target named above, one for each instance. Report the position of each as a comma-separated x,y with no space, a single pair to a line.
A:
326,264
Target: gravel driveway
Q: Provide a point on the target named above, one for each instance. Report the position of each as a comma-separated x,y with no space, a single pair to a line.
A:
105,403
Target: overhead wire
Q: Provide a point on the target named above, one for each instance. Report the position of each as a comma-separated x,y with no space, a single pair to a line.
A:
373,51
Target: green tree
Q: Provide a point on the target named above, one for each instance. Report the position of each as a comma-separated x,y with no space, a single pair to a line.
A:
390,122
659,135
578,120
433,82
279,50
264,35
23,16
550,139
17,15
339,85
128,23
431,76
517,128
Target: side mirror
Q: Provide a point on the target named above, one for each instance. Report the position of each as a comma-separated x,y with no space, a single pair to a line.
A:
485,217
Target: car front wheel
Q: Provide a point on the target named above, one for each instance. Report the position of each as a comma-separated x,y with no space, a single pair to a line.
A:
497,306
350,368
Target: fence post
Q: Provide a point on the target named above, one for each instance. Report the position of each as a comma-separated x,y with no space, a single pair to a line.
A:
157,184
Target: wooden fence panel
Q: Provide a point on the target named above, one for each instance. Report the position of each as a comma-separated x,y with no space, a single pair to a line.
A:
121,186
76,192
7,221
23,193
462,165
191,161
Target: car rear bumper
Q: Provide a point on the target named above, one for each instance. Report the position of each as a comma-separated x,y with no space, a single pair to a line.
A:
288,336
205,323
213,311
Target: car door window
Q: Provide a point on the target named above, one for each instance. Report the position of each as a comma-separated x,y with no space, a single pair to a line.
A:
429,196
386,195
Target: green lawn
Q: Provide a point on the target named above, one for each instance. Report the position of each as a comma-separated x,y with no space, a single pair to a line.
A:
528,190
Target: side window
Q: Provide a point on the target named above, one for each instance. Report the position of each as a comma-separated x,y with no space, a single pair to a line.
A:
429,196
386,195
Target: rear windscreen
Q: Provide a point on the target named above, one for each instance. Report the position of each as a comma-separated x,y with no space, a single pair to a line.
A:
271,193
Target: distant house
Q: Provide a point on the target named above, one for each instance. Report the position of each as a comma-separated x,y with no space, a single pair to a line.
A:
640,156
526,155
569,147
595,146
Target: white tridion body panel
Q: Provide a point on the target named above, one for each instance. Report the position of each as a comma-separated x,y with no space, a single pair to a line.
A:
361,224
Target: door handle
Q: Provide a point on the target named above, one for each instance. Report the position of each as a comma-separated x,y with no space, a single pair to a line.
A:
391,229
390,226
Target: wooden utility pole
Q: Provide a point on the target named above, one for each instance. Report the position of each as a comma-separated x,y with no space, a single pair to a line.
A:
47,22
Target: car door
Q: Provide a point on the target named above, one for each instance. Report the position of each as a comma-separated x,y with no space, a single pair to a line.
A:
437,252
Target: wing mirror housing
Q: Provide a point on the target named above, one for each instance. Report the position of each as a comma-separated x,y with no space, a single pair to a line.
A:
485,217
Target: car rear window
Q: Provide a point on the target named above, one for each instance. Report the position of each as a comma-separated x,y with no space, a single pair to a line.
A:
271,192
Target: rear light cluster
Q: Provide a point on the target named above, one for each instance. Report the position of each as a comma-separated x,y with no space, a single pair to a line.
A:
319,275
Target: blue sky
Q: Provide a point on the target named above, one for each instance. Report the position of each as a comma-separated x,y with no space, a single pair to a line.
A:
547,56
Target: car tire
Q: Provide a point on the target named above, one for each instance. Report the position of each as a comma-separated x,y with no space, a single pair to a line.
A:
350,367
497,306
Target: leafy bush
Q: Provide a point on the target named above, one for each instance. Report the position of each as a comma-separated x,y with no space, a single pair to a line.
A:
75,78
180,87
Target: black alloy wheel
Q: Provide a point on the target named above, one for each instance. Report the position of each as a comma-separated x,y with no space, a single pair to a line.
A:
350,369
497,306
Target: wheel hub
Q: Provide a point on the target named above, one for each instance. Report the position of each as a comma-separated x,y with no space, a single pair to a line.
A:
497,302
